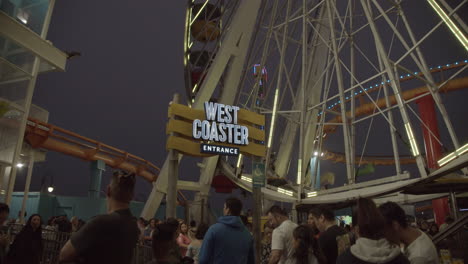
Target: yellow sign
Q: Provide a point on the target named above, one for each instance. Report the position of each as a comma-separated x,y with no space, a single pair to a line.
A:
185,124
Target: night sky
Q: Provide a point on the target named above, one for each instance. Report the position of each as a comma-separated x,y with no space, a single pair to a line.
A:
118,90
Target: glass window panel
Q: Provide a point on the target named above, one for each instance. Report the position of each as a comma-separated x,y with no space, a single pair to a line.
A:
14,92
31,13
10,120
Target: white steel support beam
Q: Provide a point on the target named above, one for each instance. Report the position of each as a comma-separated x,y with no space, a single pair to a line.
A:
321,124
188,185
448,21
23,36
460,21
316,70
27,184
433,89
353,98
28,35
233,50
278,85
396,154
396,89
429,33
339,76
421,62
300,163
265,54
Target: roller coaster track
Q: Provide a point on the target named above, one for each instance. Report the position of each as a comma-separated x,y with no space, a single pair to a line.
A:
46,136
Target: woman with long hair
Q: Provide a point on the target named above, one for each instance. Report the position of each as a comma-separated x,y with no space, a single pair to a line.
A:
194,248
305,246
27,247
371,245
165,249
148,232
183,240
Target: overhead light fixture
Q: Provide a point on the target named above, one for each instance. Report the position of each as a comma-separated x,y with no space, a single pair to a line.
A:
316,153
24,20
311,194
446,159
412,140
451,156
273,118
321,155
20,165
462,150
239,160
247,179
50,189
23,16
299,172
448,21
283,191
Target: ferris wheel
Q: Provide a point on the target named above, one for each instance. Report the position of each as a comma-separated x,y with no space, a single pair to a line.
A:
357,94
346,85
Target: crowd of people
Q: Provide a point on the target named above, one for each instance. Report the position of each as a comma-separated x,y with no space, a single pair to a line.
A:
377,235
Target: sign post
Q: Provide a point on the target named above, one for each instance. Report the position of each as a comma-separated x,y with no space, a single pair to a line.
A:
258,174
258,181
218,130
171,195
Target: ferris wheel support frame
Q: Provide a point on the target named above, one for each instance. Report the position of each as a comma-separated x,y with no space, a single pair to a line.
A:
313,92
339,75
391,72
229,61
418,58
421,63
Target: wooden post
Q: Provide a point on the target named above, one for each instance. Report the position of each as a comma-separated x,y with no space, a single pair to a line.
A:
173,172
257,214
202,214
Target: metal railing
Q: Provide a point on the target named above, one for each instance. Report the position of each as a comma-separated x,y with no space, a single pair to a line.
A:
451,242
54,240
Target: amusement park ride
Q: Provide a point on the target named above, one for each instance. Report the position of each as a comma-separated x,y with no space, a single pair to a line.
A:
339,83
329,75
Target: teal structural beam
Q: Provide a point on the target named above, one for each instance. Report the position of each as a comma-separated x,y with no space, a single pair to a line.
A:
97,167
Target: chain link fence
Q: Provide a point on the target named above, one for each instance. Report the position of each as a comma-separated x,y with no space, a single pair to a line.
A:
54,240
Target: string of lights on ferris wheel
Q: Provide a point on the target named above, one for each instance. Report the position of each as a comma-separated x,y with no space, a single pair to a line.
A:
381,83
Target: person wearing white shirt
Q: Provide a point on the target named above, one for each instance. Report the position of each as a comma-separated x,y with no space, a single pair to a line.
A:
282,244
419,248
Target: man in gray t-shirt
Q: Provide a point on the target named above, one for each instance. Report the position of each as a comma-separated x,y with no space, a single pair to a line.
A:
282,250
109,238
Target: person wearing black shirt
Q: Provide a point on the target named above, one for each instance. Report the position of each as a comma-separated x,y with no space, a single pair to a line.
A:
27,246
109,238
312,225
325,222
